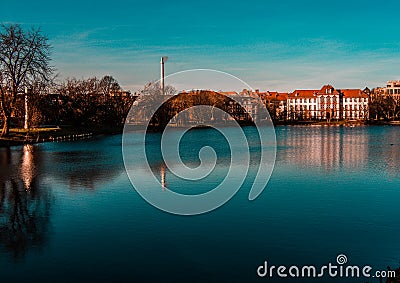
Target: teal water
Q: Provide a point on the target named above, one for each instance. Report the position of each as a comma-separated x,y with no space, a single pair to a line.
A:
68,212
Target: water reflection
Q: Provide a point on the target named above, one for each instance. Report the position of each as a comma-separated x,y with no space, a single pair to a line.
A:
162,173
84,166
24,206
324,147
27,169
29,176
338,148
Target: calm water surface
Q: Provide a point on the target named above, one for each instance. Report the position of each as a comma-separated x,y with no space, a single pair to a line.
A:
68,212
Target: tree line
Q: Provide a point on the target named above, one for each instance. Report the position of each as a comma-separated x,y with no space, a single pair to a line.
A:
383,107
159,110
85,103
30,94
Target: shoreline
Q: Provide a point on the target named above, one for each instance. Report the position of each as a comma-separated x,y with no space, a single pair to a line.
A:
20,137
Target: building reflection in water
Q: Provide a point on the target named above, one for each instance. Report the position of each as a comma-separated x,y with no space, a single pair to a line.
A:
328,148
341,149
24,206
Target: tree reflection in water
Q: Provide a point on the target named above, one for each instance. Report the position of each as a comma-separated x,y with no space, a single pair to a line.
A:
83,168
24,208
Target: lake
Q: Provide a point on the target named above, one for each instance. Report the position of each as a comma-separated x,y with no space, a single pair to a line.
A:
68,212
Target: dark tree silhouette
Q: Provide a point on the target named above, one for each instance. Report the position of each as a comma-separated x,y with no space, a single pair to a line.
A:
24,207
89,102
24,60
109,86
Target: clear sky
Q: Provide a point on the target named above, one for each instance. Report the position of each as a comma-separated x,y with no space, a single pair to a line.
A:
272,45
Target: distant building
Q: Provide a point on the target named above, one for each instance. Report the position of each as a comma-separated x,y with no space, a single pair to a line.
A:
355,104
310,104
276,102
244,106
393,89
314,104
327,103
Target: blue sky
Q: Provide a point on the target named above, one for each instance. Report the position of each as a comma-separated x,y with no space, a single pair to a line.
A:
272,45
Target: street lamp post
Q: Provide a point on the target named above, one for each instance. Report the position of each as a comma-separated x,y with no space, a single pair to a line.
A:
26,124
163,60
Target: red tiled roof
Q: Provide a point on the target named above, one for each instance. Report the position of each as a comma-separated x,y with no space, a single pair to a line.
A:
353,93
303,93
311,93
298,93
326,87
281,96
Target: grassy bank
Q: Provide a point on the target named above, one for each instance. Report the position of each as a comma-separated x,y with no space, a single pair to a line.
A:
50,134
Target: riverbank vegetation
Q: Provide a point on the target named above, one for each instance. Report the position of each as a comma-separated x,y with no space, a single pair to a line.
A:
383,107
32,97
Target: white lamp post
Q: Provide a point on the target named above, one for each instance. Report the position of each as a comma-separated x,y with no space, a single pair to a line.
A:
26,124
163,60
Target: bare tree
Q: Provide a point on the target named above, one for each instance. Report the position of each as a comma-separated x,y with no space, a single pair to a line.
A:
24,60
109,86
154,88
92,102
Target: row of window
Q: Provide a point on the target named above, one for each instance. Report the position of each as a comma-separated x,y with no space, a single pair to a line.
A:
314,107
393,91
329,100
355,99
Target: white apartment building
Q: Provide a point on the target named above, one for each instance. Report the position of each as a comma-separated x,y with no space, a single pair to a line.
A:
355,104
327,103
